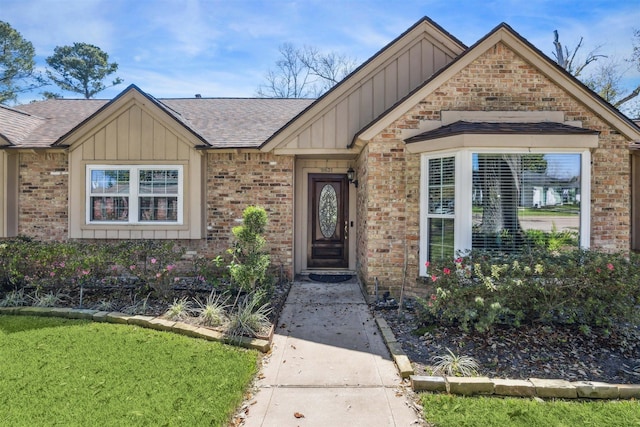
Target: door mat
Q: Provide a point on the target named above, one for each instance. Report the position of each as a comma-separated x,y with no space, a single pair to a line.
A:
330,278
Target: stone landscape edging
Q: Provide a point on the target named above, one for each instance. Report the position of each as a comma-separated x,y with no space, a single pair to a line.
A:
158,323
533,387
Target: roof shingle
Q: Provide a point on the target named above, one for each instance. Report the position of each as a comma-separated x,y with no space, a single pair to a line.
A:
222,122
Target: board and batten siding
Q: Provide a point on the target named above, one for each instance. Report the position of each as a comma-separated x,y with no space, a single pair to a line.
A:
378,90
136,136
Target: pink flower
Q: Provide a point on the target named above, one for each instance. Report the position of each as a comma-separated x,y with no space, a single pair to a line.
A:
62,264
114,267
53,273
598,270
170,267
430,304
153,260
446,271
85,272
434,278
158,275
427,264
433,297
132,267
610,266
200,278
458,261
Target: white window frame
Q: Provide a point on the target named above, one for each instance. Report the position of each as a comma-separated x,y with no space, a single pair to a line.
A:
134,195
463,215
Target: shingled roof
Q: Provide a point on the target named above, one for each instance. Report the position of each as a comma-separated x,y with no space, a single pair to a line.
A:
16,125
222,122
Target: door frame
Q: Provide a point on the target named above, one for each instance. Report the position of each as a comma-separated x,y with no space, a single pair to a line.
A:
334,249
304,167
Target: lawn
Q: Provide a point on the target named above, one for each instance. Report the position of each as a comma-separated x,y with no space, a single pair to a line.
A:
78,373
448,411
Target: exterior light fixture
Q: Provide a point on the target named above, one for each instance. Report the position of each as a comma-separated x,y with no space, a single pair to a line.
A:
351,176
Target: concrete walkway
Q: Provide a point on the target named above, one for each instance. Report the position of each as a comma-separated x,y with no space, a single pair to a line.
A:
329,365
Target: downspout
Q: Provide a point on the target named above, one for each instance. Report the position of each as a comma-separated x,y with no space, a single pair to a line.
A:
406,246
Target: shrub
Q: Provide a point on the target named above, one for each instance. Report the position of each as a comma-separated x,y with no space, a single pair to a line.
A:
579,287
249,265
47,300
212,311
251,317
455,366
180,309
25,262
14,299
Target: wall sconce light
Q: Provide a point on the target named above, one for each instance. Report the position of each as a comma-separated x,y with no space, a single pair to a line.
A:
351,176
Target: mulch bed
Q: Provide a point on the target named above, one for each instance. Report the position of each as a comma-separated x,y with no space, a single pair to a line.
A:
532,351
133,298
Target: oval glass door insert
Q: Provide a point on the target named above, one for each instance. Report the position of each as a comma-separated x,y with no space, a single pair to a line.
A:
328,211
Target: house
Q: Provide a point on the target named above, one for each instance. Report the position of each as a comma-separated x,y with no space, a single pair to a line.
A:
430,147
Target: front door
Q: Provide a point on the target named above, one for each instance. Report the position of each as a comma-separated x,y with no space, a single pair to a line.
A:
328,221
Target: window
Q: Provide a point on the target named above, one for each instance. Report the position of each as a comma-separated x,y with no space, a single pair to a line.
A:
503,201
526,200
134,194
441,202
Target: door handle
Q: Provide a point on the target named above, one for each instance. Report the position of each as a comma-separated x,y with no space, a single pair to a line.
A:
346,230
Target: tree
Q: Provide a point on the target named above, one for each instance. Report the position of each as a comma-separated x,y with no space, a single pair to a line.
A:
17,66
606,80
500,178
304,72
81,68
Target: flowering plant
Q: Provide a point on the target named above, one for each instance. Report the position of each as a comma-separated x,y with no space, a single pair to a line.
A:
482,289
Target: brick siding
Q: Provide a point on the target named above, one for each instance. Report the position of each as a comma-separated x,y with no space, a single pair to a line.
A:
236,181
43,196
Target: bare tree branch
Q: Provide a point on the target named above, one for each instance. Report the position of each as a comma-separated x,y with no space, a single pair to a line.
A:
566,59
305,72
627,98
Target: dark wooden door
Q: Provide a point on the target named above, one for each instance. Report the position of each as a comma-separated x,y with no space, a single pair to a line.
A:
328,221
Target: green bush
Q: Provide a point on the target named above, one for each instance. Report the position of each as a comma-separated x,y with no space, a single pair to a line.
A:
585,288
25,262
250,262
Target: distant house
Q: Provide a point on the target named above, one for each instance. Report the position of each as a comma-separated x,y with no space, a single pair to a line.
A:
424,146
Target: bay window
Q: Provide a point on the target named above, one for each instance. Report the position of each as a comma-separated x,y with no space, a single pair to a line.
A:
134,194
503,200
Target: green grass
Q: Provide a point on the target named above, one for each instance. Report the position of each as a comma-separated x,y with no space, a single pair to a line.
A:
446,410
57,371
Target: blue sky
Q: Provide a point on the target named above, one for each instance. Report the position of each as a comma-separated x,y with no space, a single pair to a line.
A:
223,48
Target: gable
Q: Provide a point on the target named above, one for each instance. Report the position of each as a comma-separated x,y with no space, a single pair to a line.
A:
519,78
131,127
133,134
329,124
